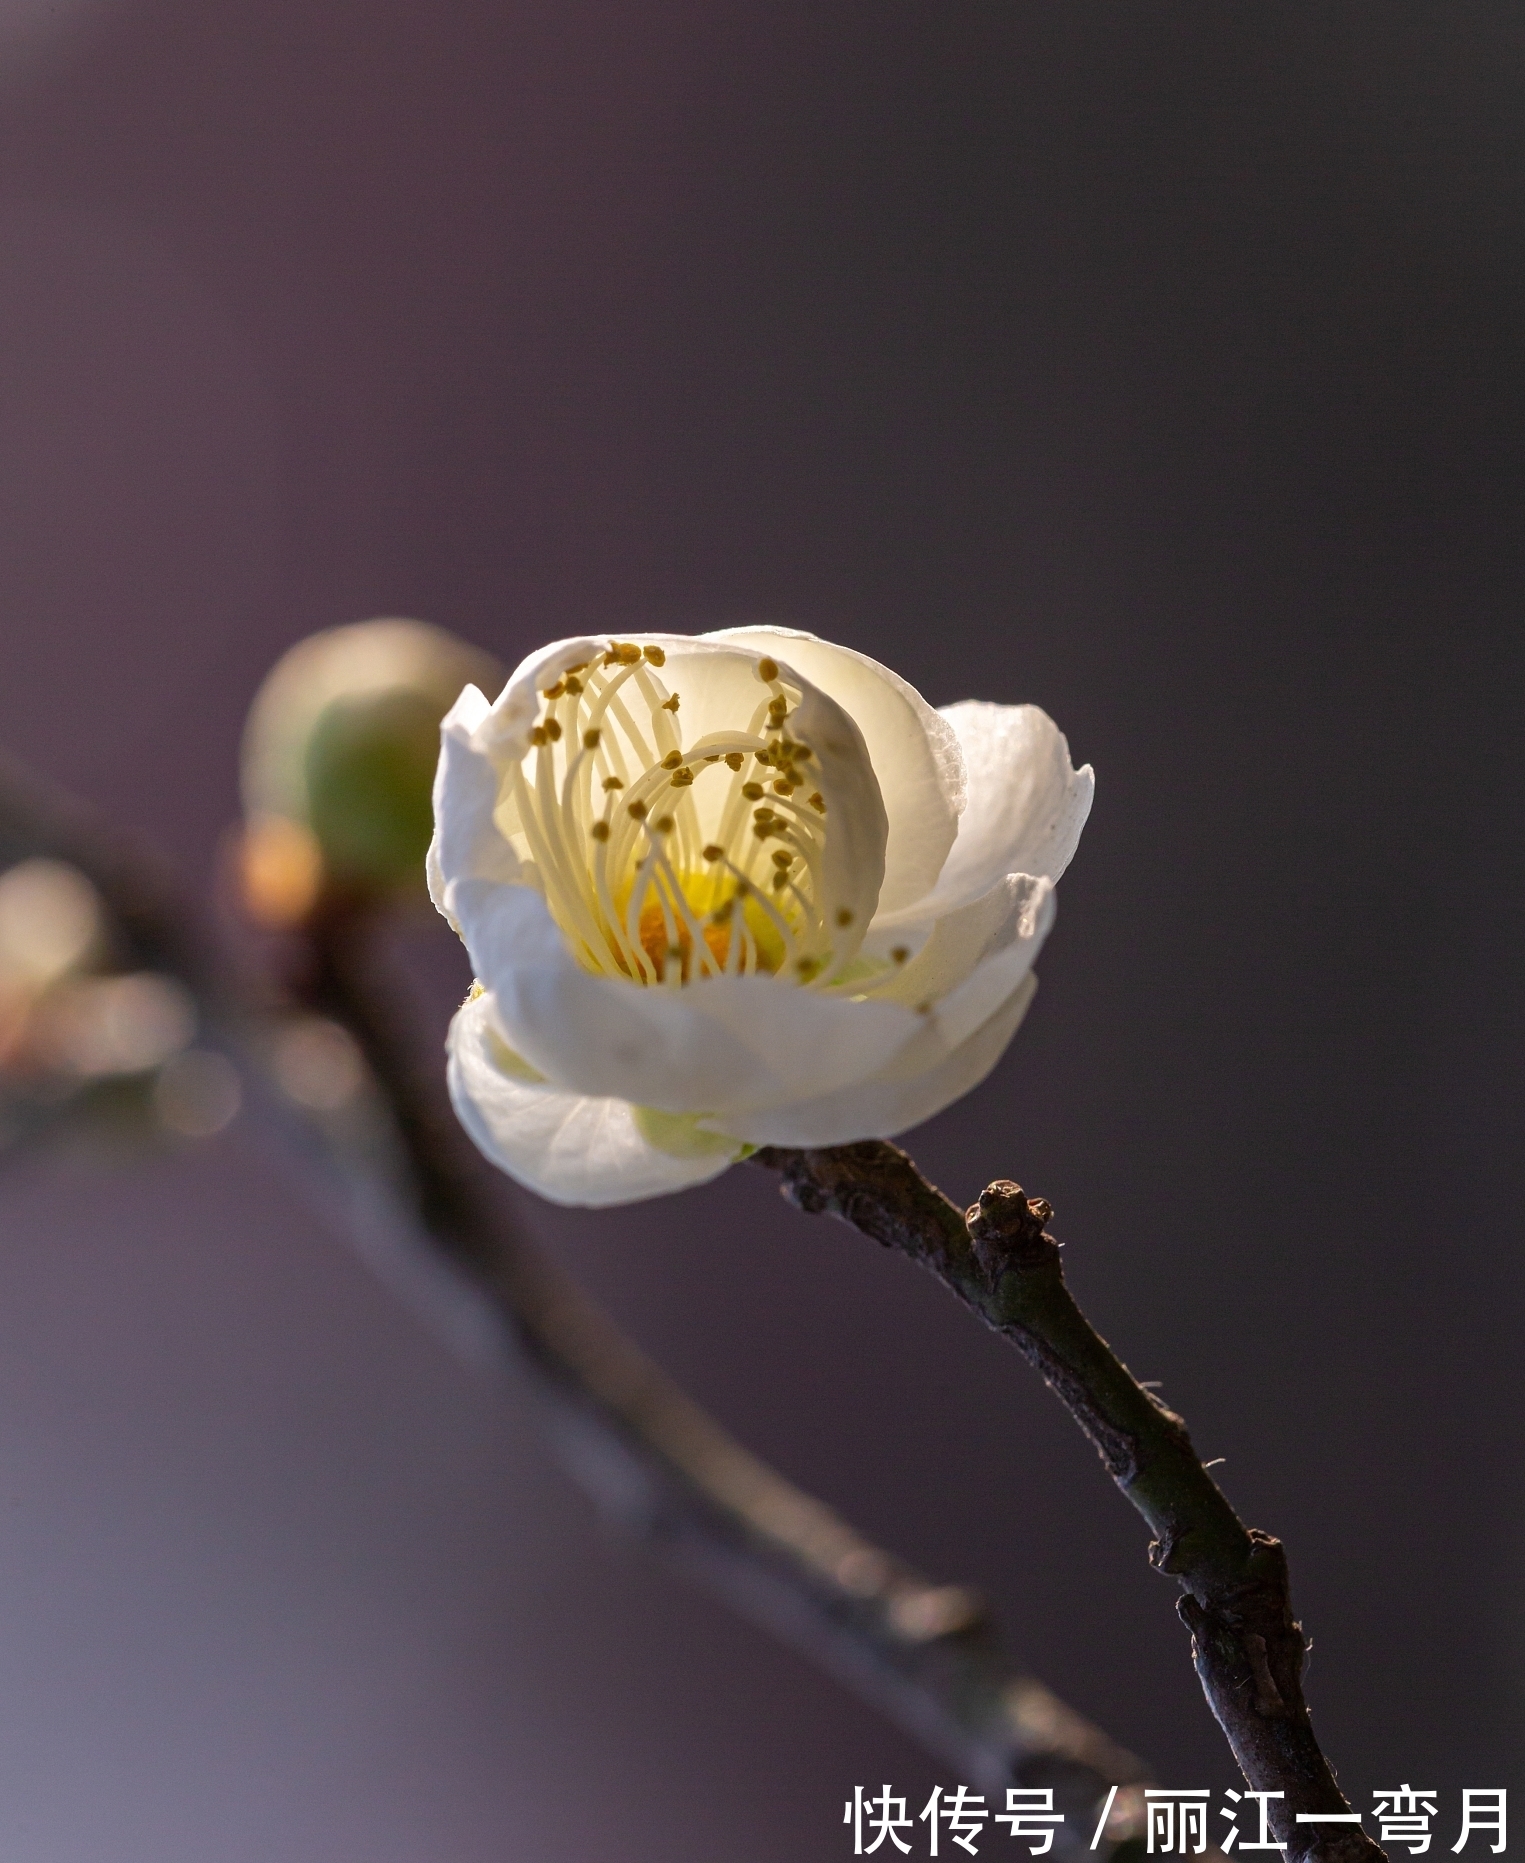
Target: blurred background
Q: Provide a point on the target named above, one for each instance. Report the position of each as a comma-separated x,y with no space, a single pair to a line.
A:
1157,363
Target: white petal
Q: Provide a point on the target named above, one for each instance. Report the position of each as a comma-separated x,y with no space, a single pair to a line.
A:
881,1107
1017,910
714,1045
466,843
1026,805
506,727
963,1010
857,824
958,1042
914,749
569,1147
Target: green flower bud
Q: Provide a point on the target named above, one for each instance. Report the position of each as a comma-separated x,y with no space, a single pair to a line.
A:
338,762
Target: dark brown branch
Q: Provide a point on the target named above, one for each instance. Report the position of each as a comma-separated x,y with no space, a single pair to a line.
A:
1235,1599
429,1211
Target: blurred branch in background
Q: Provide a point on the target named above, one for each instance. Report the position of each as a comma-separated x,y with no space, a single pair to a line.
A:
119,1017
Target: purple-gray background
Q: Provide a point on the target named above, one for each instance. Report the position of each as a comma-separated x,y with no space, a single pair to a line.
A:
1156,362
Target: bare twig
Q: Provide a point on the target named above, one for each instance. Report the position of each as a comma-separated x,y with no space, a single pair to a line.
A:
1247,1647
428,1211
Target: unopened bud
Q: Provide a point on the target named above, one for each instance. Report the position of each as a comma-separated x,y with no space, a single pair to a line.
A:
338,762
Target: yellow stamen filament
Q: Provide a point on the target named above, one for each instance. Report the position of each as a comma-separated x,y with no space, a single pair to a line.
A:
702,885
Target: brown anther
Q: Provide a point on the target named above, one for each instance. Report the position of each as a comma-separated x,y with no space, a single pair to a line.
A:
735,759
627,653
537,735
767,670
900,953
782,857
552,729
662,825
763,814
752,791
599,831
818,802
672,760
807,966
581,664
682,778
743,887
656,656
763,829
573,685
844,916
613,782
554,692
714,853
590,739
783,787
780,881
670,705
638,809
714,759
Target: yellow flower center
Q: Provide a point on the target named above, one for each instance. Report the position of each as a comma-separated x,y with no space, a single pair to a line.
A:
664,861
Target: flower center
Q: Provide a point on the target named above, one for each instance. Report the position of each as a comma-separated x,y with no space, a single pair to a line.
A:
664,861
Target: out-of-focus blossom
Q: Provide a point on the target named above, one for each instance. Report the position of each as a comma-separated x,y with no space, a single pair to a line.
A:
50,921
318,1064
338,754
82,1046
115,1025
741,889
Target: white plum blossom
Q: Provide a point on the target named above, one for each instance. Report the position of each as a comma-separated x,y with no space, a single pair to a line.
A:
746,888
